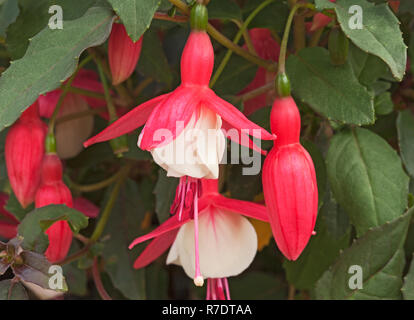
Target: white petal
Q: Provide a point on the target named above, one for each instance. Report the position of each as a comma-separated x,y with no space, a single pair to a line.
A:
173,257
227,244
196,151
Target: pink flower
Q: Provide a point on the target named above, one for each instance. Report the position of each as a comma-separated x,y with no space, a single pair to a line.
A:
187,120
267,48
123,53
24,150
320,21
228,241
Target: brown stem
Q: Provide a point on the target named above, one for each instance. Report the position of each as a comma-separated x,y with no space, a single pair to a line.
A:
166,17
257,92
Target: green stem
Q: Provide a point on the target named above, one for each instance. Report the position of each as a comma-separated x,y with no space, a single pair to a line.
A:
239,34
81,114
109,205
65,90
86,93
223,40
107,92
257,92
283,47
96,186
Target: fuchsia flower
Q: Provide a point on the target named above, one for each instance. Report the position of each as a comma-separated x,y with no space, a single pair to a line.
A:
267,48
187,121
52,190
289,182
123,53
228,241
24,150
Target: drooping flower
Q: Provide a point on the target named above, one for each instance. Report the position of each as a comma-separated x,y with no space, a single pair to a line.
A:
289,182
8,222
267,48
52,190
188,120
24,151
227,240
123,53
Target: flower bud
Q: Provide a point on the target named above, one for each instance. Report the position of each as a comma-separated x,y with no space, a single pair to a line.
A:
24,151
123,53
289,182
52,190
71,134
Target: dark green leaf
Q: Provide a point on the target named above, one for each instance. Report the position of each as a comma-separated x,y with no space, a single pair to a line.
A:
123,226
383,104
50,59
405,127
224,9
36,222
257,286
164,195
153,62
379,34
13,206
366,178
237,74
10,290
380,255
9,10
408,288
274,16
333,91
321,251
135,14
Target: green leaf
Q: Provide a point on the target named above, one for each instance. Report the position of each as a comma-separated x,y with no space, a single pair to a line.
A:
123,226
273,17
333,91
237,74
224,9
164,195
153,62
258,286
408,288
383,104
380,34
321,251
36,222
366,178
157,282
9,10
10,290
50,59
14,207
34,16
405,127
135,14
380,255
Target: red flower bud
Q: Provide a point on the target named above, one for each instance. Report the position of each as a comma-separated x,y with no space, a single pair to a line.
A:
24,151
123,53
289,182
52,190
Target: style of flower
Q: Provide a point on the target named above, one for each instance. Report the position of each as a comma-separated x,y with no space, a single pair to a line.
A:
228,241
